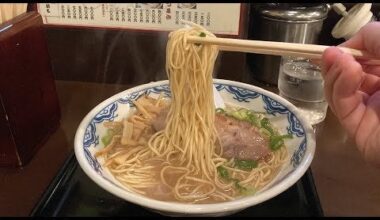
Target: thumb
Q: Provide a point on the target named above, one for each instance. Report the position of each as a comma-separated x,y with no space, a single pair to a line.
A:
366,39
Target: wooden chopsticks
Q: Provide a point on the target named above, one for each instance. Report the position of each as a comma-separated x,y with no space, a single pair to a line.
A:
311,51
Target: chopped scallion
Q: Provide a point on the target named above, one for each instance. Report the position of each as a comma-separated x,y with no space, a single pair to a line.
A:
106,139
246,165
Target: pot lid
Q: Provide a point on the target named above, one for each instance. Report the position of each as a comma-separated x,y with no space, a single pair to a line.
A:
295,12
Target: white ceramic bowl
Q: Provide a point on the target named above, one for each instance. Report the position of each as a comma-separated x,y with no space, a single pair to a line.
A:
301,148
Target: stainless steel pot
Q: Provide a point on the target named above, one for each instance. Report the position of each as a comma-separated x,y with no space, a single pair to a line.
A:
296,24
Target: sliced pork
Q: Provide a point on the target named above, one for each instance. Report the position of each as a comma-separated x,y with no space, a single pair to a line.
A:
239,139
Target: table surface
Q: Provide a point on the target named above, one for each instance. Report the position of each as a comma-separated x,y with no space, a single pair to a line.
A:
346,185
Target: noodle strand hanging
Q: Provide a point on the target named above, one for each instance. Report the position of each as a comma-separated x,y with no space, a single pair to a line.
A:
183,161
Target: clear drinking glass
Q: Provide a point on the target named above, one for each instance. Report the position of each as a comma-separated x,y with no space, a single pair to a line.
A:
301,83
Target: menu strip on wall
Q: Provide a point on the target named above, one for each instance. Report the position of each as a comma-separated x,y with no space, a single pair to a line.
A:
219,18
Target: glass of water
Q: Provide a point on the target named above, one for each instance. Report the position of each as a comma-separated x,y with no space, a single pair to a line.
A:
301,83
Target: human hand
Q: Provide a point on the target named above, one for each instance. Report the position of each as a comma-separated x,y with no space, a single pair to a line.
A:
353,90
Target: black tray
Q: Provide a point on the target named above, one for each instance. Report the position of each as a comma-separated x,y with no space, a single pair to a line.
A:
72,193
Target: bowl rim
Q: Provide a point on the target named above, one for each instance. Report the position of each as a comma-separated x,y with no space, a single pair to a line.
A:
184,208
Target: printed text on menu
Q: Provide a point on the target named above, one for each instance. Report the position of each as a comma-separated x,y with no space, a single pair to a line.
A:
146,16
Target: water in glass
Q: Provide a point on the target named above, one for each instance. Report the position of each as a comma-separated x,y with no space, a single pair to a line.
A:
301,83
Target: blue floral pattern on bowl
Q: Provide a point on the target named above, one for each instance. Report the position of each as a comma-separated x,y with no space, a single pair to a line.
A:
281,113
